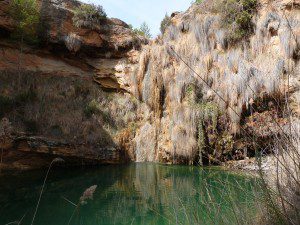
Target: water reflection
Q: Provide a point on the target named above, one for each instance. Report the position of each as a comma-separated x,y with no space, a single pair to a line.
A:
129,194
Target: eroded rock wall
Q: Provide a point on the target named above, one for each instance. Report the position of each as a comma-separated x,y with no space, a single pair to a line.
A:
106,95
68,96
208,97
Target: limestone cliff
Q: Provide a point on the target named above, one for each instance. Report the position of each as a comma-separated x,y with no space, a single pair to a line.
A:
67,96
212,99
106,95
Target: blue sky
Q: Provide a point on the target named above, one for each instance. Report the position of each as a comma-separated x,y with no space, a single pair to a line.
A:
136,12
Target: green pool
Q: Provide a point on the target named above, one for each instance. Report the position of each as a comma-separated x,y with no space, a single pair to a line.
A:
129,194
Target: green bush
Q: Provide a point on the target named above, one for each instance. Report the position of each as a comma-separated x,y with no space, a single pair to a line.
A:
25,14
88,16
165,23
91,108
237,17
144,30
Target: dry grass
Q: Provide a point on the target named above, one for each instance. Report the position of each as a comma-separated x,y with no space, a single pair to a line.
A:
281,179
60,108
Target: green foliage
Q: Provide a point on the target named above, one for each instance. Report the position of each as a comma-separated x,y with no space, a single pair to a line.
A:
91,108
209,112
225,142
201,141
107,117
165,23
88,16
25,13
237,16
130,26
133,126
144,30
189,90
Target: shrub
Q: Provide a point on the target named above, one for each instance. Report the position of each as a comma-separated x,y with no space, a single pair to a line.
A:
165,23
91,108
237,17
130,26
25,14
144,30
88,16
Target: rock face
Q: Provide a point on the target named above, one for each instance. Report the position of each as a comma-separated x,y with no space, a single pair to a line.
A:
104,53
209,97
106,95
53,93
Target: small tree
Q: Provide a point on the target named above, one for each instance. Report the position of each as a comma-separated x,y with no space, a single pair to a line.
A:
25,14
165,23
237,17
144,30
88,16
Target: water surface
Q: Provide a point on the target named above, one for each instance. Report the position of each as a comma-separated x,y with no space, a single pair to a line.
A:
129,194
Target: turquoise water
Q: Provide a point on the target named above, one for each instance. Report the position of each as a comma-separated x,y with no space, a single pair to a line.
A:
129,194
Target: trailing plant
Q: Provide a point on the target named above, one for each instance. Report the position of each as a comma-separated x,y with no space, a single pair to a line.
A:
201,141
88,16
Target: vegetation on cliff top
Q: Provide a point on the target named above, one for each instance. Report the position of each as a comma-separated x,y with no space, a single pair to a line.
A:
165,23
25,13
143,30
88,16
237,17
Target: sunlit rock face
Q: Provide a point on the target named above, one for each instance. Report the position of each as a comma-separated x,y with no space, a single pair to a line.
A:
105,52
241,91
